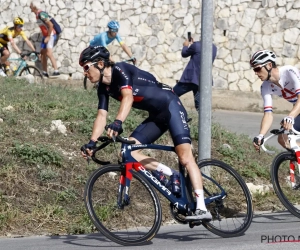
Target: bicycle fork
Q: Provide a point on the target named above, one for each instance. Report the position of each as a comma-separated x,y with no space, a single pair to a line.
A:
294,179
123,198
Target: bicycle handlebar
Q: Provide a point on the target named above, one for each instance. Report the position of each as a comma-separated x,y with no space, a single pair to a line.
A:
133,60
106,141
275,132
29,53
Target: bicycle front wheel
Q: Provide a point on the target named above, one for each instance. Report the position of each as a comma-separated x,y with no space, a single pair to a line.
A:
233,214
34,73
136,222
280,176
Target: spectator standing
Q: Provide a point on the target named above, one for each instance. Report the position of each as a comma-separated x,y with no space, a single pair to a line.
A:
189,80
49,37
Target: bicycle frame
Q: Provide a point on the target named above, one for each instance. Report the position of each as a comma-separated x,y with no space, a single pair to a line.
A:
184,203
22,64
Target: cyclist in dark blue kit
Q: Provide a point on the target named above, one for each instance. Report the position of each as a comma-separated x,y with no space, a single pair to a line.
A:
139,89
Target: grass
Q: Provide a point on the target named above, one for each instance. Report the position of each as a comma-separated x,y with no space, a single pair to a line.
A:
42,173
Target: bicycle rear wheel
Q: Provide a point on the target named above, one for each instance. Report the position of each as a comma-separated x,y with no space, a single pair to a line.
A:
280,175
233,214
134,224
33,72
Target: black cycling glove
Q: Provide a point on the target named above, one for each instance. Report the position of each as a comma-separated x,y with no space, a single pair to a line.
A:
258,138
91,145
116,126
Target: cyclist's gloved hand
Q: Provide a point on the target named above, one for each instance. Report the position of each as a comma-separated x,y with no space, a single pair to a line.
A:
116,126
259,140
91,145
288,119
133,60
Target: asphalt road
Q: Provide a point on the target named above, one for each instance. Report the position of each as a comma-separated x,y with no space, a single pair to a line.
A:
267,231
247,123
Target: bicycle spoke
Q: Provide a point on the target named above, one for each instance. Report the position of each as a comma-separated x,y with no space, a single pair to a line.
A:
288,194
123,225
232,215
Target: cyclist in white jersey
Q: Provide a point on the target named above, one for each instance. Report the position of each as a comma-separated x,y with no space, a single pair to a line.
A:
105,38
283,82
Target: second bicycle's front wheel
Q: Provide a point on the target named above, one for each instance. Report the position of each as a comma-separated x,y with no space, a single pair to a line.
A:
280,175
136,222
33,72
232,214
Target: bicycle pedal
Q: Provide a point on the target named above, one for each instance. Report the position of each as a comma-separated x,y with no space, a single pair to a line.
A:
195,223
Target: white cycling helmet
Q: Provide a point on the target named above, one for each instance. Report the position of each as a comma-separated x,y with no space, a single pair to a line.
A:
261,57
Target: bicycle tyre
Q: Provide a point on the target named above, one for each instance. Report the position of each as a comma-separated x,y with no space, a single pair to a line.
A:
32,70
280,170
236,209
122,226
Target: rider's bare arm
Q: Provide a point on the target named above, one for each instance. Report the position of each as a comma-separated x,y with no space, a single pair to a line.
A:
126,49
266,123
99,124
30,45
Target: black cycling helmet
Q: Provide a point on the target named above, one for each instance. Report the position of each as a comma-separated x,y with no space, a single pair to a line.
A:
94,54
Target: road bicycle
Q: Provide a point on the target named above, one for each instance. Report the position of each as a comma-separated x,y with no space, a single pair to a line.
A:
24,69
87,83
122,203
285,171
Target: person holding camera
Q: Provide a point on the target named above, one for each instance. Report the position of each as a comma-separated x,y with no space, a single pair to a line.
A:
190,78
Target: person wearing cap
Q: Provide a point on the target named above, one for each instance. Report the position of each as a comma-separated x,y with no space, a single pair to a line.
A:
139,89
283,82
7,35
107,37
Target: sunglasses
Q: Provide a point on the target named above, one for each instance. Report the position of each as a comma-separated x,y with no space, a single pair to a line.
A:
113,30
257,69
19,26
86,67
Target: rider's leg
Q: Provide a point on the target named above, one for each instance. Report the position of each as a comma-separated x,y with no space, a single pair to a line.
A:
44,59
5,55
196,96
181,88
283,141
283,138
186,158
149,162
49,52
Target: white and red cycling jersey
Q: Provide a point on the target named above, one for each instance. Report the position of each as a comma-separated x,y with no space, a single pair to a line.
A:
289,80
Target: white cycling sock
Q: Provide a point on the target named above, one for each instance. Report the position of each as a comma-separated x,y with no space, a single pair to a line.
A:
165,169
199,193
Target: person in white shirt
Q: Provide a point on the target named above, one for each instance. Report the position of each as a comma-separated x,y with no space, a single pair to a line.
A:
283,82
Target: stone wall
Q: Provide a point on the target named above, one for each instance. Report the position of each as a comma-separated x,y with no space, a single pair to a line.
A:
155,31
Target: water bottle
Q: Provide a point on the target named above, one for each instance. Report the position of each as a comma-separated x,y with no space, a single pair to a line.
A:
160,176
176,189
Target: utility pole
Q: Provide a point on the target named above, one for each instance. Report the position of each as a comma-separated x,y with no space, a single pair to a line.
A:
205,86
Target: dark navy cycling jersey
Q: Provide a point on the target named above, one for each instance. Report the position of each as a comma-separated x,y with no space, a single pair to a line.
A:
148,93
166,111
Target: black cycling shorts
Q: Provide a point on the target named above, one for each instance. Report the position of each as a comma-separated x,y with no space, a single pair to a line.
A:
2,48
173,118
297,123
